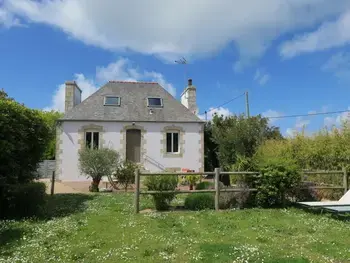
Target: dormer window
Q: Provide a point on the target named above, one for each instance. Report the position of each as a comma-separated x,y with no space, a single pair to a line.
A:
155,102
112,101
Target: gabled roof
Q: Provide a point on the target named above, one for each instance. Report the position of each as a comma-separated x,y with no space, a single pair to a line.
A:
133,105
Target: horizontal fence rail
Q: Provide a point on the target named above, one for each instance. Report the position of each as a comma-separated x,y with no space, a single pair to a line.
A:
217,190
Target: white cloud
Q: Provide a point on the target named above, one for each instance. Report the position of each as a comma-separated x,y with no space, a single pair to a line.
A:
328,35
273,114
339,65
122,69
170,29
7,19
300,125
261,77
336,120
212,111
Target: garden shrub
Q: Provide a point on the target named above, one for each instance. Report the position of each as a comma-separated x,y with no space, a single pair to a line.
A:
23,200
303,192
240,199
205,185
125,174
274,182
162,183
200,201
192,180
24,137
96,163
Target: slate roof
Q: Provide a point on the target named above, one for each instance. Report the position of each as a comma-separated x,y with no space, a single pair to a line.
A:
133,105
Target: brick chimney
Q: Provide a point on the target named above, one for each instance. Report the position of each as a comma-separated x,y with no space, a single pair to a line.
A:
72,95
188,97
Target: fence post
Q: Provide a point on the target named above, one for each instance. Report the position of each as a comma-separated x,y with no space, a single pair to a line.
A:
217,188
53,183
137,191
345,180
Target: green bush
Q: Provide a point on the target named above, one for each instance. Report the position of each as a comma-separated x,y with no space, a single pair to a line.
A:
274,183
205,185
162,183
192,180
24,137
96,163
200,201
125,174
23,200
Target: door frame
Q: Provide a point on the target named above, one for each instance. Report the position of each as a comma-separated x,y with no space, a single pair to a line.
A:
143,150
137,134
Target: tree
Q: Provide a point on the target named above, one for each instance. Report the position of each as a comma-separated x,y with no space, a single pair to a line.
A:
96,163
24,136
4,96
210,149
51,117
239,137
125,174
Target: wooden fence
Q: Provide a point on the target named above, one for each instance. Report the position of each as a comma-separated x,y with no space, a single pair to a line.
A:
217,190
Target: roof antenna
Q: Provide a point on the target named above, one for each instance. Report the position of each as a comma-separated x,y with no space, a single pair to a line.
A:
182,61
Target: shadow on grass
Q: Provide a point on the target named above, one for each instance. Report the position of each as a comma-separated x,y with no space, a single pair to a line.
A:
9,236
60,205
321,211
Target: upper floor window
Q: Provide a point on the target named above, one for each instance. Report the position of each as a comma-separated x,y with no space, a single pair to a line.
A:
154,102
92,139
172,142
112,101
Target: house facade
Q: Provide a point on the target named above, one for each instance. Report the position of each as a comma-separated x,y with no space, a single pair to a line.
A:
140,120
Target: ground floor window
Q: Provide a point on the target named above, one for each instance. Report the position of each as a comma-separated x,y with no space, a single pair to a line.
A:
92,140
172,142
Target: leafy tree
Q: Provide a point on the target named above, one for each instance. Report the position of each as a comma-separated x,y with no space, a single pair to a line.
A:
327,149
125,174
51,117
96,163
238,137
24,136
162,183
4,96
210,149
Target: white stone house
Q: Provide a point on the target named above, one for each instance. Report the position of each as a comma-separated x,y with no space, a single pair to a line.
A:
141,120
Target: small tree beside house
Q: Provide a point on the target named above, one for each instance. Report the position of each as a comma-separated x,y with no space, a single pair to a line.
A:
125,174
96,163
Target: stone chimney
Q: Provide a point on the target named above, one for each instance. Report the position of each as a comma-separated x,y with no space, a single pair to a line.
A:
72,95
188,97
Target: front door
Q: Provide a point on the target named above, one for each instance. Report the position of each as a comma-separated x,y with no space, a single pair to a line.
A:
133,145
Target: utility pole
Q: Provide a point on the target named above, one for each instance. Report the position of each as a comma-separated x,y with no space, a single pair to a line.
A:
247,104
182,61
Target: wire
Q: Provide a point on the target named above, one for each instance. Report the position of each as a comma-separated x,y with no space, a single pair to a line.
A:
309,114
225,103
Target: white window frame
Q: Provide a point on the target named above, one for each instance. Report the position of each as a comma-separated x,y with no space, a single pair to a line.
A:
155,106
106,104
92,138
172,142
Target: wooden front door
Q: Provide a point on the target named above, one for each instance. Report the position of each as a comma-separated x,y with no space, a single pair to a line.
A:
133,145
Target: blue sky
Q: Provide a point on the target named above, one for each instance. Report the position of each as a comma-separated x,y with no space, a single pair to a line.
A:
293,58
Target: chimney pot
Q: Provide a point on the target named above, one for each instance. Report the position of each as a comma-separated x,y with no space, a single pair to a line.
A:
189,82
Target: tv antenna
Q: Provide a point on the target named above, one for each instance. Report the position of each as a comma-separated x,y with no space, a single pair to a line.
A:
182,61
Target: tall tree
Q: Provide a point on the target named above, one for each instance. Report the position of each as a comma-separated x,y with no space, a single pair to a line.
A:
210,149
238,136
50,118
24,136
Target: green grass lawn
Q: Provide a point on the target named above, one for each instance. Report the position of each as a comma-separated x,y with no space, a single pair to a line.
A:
103,228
